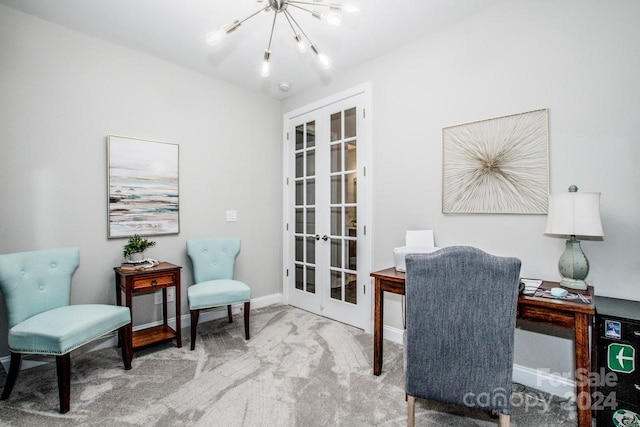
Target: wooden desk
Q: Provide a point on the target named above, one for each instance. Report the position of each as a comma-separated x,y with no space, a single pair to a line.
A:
136,282
565,314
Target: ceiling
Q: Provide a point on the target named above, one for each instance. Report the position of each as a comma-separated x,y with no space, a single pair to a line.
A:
175,31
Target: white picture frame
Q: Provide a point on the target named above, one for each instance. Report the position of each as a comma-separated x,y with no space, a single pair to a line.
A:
143,187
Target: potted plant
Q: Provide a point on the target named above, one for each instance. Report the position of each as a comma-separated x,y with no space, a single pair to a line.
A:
135,247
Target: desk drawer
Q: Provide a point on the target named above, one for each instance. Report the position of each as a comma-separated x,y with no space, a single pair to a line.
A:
150,282
547,316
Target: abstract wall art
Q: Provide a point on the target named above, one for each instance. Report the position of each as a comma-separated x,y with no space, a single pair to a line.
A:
143,190
497,166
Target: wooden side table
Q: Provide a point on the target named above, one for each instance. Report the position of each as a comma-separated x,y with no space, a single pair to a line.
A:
138,282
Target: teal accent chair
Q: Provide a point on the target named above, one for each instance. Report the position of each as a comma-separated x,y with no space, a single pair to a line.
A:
213,262
36,287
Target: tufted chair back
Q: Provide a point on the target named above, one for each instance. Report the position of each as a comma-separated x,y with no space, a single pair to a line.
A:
37,281
213,259
461,315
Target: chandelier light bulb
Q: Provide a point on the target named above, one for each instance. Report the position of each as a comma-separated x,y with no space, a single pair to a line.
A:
214,37
265,70
324,60
332,18
300,44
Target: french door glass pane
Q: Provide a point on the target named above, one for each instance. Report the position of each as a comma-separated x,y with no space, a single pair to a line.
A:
299,137
311,250
350,123
336,158
351,158
299,193
350,289
336,126
352,258
311,192
336,284
299,165
311,280
311,163
299,249
336,221
336,189
351,188
299,277
311,134
336,253
352,221
299,220
311,221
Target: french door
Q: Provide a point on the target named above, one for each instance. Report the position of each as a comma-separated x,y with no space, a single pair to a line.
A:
327,247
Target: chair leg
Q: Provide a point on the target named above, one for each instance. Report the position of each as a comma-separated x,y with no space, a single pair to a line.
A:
504,420
14,369
63,366
194,327
411,411
124,336
247,309
229,314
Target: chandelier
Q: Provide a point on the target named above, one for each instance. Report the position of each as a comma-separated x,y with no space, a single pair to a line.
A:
323,11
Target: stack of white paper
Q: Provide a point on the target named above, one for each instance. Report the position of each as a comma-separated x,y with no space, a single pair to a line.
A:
530,286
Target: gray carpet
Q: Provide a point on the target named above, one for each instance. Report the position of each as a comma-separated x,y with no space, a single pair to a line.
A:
298,369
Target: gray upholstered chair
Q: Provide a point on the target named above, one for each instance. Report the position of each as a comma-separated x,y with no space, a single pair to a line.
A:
36,287
461,313
213,262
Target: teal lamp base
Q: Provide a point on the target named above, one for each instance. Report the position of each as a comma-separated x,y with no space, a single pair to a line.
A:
573,266
573,284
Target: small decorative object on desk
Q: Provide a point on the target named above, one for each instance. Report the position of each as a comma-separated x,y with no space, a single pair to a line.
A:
135,247
143,264
570,296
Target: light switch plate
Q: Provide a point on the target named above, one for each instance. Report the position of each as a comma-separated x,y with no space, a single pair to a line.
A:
232,216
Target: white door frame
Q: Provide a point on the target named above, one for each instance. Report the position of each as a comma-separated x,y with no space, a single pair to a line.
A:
364,212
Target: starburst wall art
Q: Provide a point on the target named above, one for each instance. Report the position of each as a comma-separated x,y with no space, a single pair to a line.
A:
497,166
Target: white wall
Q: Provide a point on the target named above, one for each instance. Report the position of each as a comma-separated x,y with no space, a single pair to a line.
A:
62,93
581,60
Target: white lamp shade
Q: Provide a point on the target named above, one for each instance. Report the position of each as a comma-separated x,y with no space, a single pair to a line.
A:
574,214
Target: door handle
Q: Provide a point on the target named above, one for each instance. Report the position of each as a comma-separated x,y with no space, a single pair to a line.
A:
325,237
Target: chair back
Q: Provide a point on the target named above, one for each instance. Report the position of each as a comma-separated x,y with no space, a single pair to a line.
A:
213,259
461,313
36,281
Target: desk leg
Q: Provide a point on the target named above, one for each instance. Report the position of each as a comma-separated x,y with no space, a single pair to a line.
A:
178,325
377,328
583,367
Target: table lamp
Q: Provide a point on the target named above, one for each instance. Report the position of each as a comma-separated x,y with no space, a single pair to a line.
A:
573,215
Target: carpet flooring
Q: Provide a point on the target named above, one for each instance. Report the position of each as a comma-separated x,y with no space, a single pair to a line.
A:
298,369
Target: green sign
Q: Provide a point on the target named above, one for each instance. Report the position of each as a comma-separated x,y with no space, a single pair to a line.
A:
621,358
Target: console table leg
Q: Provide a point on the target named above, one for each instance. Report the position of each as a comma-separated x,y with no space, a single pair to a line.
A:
377,329
583,368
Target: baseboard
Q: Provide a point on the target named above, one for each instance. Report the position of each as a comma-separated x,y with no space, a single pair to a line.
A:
538,379
111,340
